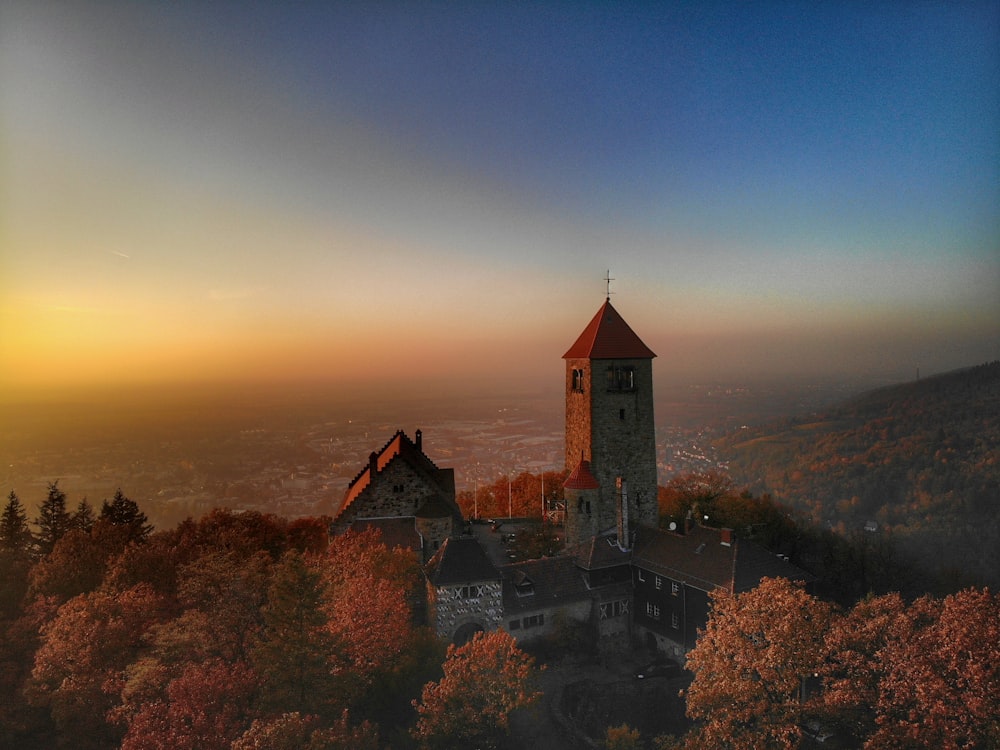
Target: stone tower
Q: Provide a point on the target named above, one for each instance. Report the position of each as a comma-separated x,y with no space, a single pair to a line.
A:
610,436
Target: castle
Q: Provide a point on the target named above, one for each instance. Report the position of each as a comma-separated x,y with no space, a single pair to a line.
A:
621,577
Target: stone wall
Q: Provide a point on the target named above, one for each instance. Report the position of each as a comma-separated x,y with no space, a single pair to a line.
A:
615,430
395,491
450,607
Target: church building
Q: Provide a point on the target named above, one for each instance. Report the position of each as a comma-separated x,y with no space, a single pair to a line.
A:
630,582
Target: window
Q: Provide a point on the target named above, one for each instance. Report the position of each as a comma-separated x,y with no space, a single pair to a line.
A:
578,381
534,621
641,576
675,621
675,588
621,378
653,610
659,583
621,414
515,625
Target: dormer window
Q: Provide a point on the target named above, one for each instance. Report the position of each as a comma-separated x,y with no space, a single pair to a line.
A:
621,378
523,586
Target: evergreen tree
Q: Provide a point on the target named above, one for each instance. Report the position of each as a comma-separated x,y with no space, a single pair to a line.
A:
14,532
83,517
53,519
295,654
124,512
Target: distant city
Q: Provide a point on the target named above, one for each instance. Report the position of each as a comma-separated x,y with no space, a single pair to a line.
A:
294,455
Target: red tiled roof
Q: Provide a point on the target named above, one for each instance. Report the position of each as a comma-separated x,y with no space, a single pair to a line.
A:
608,336
581,478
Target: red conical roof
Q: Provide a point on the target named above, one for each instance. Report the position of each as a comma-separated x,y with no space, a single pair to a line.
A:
581,478
608,336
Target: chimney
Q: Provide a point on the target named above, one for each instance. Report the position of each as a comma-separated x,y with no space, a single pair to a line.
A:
622,514
419,440
726,537
688,522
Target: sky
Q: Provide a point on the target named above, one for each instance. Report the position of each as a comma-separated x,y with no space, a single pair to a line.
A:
405,194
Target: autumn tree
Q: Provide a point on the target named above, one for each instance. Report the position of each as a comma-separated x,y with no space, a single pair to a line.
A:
622,737
470,706
370,593
750,662
856,646
74,565
207,707
53,519
292,731
929,671
91,639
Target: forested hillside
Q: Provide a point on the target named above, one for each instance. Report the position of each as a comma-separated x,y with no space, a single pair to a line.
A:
919,461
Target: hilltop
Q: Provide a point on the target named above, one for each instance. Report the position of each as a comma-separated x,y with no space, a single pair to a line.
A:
917,462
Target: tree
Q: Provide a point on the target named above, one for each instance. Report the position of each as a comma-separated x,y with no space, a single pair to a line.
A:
53,519
14,532
83,517
207,707
292,731
92,638
925,674
750,663
74,565
368,605
124,512
855,664
295,654
622,738
484,681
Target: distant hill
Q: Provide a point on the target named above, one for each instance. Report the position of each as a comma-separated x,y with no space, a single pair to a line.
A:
919,462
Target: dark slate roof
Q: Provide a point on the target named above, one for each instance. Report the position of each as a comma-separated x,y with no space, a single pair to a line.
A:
608,336
753,562
460,560
700,559
396,532
552,581
581,478
601,551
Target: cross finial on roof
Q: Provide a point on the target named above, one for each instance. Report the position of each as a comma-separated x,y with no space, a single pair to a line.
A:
608,280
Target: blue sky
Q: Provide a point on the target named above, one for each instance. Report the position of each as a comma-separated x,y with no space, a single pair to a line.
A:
259,190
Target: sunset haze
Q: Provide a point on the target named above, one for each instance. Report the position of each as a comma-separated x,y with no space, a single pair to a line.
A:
419,195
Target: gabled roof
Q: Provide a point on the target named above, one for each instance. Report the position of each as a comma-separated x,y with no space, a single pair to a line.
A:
701,559
402,448
608,336
460,560
552,581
